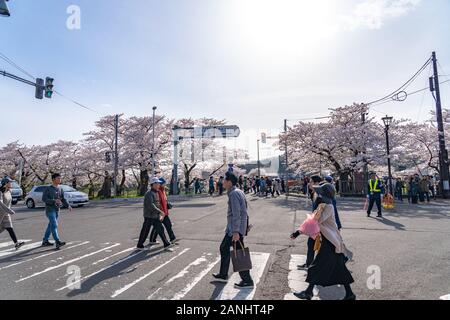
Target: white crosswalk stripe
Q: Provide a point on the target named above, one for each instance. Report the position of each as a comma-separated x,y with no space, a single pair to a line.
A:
12,251
66,263
229,292
128,286
296,278
44,255
10,243
447,297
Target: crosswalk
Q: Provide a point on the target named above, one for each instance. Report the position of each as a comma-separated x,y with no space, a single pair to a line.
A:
119,271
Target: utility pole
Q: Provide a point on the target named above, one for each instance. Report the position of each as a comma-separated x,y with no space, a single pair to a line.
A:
286,178
153,144
365,169
443,154
116,153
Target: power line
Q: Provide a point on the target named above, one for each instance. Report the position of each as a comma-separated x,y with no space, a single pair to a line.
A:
12,63
404,86
15,65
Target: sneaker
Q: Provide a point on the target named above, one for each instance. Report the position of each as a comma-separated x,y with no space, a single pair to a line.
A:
154,243
220,278
380,216
47,244
303,295
302,267
140,248
19,244
244,285
60,244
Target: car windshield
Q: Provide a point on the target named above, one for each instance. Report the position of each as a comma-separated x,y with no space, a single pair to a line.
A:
68,189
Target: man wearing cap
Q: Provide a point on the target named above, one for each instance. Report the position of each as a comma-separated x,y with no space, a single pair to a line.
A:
153,216
376,189
164,205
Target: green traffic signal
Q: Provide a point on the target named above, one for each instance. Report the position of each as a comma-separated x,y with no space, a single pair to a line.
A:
48,87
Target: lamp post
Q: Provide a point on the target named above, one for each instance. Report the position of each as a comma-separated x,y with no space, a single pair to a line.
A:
387,123
259,163
153,143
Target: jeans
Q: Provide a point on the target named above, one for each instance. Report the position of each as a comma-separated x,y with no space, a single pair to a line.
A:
168,225
148,223
225,254
52,227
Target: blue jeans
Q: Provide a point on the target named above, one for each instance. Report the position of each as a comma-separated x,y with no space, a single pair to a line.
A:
52,227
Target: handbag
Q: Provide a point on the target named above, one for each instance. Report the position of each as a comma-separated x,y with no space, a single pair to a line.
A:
241,258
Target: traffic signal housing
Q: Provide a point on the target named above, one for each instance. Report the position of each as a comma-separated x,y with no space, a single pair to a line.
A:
48,87
39,88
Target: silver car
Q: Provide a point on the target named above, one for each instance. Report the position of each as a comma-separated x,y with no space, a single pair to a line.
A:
74,198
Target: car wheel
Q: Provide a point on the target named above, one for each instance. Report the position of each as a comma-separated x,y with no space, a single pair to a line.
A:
30,204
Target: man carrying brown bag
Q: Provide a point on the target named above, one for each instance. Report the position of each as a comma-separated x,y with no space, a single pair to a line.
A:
237,226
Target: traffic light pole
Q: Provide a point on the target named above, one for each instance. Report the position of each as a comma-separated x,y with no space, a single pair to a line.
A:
443,154
9,75
116,153
286,177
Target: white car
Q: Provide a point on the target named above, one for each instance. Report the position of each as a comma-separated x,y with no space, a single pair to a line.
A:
74,198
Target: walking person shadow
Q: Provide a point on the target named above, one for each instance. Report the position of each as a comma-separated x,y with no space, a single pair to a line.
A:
396,225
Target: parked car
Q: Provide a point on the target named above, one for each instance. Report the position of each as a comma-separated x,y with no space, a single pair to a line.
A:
16,192
74,198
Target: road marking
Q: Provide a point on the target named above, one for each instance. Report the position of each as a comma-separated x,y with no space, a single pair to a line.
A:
105,268
66,263
180,295
296,278
30,246
447,297
229,292
10,243
128,286
183,273
116,254
44,255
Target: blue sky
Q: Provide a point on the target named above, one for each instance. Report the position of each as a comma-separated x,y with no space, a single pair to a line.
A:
253,62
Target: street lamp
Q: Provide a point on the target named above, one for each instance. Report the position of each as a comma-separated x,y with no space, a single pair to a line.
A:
387,123
153,145
259,163
4,11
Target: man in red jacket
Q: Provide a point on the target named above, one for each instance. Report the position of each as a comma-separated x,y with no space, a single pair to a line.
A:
164,208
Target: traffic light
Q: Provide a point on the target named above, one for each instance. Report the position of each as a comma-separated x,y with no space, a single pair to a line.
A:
48,87
4,11
263,138
39,88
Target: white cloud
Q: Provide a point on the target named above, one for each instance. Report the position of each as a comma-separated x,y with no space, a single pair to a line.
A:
372,14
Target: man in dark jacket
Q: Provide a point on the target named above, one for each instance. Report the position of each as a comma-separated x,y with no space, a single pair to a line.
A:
237,227
53,197
153,216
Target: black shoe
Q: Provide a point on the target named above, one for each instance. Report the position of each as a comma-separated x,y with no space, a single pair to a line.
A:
60,244
303,295
19,244
244,285
220,278
349,298
368,214
140,248
302,267
380,216
47,244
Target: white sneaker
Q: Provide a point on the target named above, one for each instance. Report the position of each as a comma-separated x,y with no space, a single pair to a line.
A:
154,243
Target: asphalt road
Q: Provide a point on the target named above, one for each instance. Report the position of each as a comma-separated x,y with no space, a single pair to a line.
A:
409,250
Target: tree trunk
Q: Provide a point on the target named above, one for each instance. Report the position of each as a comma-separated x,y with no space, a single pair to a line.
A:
143,184
122,183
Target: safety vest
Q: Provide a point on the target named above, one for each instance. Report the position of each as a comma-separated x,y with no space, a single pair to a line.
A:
374,187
